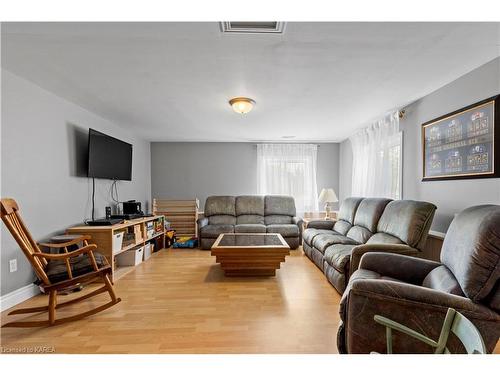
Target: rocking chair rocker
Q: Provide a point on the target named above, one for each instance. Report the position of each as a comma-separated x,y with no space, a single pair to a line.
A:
58,272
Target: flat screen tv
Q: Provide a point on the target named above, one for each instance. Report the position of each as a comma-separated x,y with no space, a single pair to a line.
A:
109,157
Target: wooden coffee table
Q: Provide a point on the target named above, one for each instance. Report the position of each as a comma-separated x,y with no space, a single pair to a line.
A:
250,254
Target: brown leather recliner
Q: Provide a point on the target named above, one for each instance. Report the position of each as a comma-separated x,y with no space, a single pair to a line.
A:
417,292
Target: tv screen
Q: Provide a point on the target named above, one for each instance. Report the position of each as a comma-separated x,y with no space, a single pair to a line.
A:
109,157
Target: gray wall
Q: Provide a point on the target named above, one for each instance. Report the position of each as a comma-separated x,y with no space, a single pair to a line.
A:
449,196
188,170
44,141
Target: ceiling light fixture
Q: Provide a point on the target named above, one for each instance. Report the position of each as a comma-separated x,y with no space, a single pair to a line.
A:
242,105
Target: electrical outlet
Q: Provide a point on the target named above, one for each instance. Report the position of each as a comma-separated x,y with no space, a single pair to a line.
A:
13,265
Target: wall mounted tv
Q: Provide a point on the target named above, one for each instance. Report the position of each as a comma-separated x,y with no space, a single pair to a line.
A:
109,157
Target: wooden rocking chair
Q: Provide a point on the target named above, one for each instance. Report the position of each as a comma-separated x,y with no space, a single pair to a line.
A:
58,272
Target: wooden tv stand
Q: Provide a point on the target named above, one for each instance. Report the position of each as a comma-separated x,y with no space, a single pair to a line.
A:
102,236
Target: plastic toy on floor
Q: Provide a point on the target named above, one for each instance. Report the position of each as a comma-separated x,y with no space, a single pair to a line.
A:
169,238
186,242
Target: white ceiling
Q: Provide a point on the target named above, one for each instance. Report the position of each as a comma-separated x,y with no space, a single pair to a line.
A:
317,81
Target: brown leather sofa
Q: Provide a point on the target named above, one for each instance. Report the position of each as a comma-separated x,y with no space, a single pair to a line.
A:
417,292
366,225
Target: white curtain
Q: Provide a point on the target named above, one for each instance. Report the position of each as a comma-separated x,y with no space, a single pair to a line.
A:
377,158
289,169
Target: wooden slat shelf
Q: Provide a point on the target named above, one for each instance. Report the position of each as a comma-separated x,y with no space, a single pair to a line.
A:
181,214
128,247
154,236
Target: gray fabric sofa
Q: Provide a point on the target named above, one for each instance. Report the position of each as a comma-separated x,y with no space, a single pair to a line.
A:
417,292
366,225
250,214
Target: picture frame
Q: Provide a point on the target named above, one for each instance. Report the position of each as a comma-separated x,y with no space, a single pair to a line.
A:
463,144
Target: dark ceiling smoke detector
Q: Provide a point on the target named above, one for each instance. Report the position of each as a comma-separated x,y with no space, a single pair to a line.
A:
257,27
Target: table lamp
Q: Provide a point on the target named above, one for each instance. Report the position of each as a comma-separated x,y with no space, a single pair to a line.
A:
328,196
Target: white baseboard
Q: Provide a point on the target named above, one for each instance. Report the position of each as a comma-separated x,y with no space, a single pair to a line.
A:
17,296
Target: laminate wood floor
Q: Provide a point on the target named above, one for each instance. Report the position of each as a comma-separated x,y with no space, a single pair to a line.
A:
180,302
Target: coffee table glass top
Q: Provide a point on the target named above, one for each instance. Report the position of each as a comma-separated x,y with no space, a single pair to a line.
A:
271,239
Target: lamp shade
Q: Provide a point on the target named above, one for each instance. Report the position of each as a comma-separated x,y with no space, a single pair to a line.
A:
328,196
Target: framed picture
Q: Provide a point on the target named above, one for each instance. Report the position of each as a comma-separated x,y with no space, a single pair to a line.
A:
463,144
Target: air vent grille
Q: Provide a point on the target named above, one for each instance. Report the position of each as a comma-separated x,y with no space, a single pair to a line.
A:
258,27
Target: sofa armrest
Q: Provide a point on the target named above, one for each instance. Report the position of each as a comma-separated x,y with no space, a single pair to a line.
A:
359,251
388,291
402,267
421,309
321,224
298,222
202,222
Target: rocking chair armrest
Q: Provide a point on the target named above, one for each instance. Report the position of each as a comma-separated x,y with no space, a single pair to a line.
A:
82,250
60,245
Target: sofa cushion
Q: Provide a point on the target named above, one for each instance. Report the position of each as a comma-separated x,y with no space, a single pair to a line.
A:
278,219
279,205
348,209
249,219
213,231
250,205
342,227
220,205
369,212
441,278
338,256
222,219
384,238
359,234
407,220
321,224
322,241
286,230
310,233
56,269
249,228
471,250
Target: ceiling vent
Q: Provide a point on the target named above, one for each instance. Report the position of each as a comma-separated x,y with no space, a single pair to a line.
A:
260,27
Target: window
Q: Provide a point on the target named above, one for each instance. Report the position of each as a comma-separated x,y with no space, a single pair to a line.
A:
289,169
395,164
377,159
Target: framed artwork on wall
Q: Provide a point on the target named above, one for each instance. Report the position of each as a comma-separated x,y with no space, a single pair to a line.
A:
463,144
